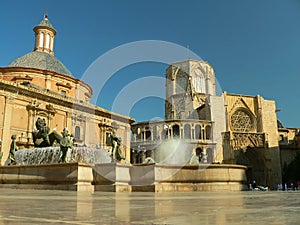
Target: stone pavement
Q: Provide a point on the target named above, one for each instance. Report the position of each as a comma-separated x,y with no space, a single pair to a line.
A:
19,206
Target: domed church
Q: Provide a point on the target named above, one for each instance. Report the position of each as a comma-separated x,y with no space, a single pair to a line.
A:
38,85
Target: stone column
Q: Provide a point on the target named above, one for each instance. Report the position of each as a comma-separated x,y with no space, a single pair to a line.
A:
30,126
133,157
204,155
69,122
152,154
134,137
51,43
143,156
104,131
6,136
173,86
101,142
193,133
37,41
259,114
152,138
127,143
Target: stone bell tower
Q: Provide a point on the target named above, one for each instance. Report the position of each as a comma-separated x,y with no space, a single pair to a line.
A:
188,83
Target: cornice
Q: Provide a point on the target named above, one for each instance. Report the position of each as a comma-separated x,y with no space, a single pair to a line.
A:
49,97
74,80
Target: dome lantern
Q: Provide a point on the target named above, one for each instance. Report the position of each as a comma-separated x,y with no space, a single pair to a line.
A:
44,36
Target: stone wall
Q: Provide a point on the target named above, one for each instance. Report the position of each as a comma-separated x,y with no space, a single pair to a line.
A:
218,116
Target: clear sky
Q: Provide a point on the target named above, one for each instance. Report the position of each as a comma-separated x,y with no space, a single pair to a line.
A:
253,45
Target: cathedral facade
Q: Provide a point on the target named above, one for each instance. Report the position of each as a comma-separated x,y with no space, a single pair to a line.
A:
38,85
226,128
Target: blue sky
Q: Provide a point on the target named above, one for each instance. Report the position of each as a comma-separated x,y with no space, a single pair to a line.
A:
254,46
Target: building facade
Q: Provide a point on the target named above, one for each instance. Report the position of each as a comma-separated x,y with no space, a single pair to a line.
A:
251,137
289,142
39,85
188,85
226,128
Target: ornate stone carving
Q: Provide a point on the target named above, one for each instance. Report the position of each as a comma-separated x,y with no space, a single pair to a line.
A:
241,121
242,141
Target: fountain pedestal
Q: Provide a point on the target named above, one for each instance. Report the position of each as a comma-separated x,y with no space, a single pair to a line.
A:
169,177
64,176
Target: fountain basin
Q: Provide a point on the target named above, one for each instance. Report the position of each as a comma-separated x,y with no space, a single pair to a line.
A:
170,177
64,176
116,177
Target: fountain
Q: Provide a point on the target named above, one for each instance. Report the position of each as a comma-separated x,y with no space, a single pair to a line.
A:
54,163
51,155
172,170
45,151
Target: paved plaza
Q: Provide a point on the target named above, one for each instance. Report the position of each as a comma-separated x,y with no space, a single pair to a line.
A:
64,207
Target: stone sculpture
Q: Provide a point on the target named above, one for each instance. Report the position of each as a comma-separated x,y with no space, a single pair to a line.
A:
149,160
65,144
41,136
196,159
116,147
13,148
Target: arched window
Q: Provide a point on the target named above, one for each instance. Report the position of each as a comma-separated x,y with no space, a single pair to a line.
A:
47,41
208,132
77,133
139,137
199,81
281,138
138,134
51,44
164,134
176,131
148,135
210,155
155,134
63,93
41,40
108,139
187,131
199,152
198,132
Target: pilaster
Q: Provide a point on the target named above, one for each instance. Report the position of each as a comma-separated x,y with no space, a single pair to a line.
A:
6,138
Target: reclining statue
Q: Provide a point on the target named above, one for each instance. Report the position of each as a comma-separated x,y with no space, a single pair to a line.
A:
41,136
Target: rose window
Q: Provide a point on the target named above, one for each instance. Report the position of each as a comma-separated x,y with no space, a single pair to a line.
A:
241,121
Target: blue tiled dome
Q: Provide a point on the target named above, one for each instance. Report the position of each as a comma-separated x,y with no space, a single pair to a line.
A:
41,60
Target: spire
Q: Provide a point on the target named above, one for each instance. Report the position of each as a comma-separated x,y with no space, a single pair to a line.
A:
44,36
